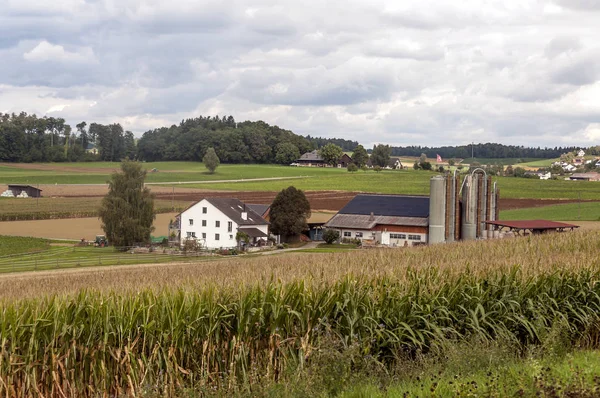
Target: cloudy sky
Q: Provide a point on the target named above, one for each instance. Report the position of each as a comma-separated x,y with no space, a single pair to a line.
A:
424,72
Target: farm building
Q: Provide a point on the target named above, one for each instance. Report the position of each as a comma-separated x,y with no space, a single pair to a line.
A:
23,191
215,222
454,211
585,177
393,220
313,159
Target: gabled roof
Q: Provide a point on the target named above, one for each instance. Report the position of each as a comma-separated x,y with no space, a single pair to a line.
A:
312,156
233,208
388,205
259,209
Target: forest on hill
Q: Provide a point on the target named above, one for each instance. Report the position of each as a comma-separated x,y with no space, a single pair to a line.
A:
28,138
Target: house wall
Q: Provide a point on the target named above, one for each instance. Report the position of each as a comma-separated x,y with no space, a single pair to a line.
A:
226,238
391,235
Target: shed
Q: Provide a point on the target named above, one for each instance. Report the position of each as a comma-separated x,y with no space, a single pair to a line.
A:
32,192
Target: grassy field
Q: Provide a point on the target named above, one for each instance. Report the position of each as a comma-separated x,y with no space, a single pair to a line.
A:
387,181
99,172
55,208
13,245
585,211
503,161
322,321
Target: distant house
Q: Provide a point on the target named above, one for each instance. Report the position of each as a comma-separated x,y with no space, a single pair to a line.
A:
569,168
539,174
214,223
313,159
581,153
91,148
391,220
585,177
394,164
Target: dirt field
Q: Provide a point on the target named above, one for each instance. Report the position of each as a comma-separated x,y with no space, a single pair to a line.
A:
72,228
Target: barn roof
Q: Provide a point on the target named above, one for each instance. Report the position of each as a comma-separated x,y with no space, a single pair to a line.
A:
532,224
388,205
20,186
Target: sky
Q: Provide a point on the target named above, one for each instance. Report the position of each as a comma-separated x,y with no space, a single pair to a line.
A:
425,72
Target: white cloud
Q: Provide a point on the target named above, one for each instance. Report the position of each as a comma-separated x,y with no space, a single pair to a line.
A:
45,51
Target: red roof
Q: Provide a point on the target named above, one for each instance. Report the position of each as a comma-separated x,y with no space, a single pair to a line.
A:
532,224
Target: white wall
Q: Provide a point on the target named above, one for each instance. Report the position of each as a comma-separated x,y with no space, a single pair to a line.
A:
226,239
384,238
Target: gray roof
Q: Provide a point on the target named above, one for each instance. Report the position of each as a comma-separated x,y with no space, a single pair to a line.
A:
356,221
233,208
258,208
312,156
253,232
388,205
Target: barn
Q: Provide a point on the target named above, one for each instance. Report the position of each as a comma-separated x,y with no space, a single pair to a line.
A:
32,192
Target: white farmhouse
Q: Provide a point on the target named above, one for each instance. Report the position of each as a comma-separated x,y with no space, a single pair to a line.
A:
214,223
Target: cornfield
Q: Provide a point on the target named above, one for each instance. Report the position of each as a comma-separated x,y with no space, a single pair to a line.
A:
106,342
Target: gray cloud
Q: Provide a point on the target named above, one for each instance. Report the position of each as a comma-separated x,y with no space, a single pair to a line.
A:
417,72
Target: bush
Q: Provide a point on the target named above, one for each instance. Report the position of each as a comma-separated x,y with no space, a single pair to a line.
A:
352,168
377,168
330,236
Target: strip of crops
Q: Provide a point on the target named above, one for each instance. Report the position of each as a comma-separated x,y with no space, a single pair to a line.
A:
160,342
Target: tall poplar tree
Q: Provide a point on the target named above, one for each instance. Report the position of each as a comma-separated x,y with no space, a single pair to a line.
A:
127,211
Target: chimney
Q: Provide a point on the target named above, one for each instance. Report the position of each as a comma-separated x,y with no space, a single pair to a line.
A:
372,217
244,215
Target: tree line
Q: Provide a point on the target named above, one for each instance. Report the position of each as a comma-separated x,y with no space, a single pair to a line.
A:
28,138
487,151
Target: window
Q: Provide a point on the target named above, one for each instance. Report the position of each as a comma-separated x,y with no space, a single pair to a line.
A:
218,224
347,234
204,223
204,210
191,234
359,235
414,237
397,236
203,235
191,222
230,236
229,226
217,237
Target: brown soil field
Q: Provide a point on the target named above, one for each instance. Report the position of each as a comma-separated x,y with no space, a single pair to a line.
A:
71,228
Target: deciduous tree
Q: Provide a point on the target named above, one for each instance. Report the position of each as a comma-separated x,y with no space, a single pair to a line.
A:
289,212
331,153
360,157
211,160
127,211
381,155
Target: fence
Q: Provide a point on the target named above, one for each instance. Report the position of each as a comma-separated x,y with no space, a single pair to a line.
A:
72,257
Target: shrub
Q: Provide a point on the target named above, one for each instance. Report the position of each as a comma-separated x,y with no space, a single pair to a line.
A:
352,168
330,236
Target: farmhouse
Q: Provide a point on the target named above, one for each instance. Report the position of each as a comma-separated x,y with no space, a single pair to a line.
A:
393,220
313,159
214,223
539,174
585,177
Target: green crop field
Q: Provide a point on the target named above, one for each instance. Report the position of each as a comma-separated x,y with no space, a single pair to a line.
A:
503,161
13,245
584,211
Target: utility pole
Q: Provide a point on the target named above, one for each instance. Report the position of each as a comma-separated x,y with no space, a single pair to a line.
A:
472,143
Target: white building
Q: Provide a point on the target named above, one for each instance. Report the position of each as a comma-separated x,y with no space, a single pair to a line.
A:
214,223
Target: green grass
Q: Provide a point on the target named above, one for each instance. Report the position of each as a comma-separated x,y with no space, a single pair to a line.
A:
12,245
575,374
584,211
503,161
168,172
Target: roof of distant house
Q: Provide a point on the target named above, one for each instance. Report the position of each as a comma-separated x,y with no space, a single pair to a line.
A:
314,156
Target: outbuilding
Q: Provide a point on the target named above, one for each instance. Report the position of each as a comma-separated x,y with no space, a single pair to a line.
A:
17,190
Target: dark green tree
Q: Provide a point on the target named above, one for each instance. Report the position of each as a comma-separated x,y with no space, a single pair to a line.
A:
127,211
360,157
381,155
352,168
211,160
331,153
330,236
286,153
289,212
